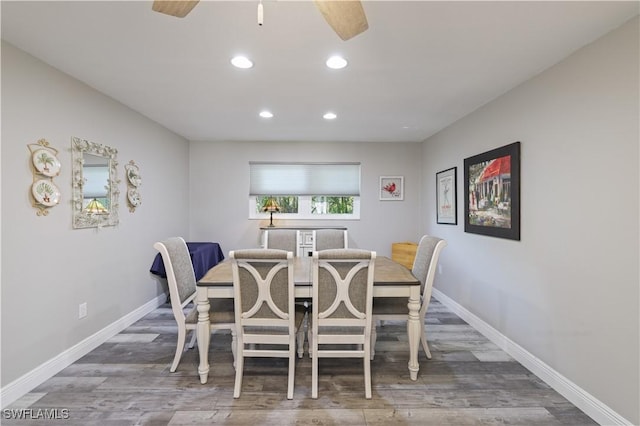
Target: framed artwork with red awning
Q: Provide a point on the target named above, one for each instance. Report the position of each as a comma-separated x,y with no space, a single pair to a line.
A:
492,192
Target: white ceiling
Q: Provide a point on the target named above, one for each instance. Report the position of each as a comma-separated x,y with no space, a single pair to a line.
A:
419,67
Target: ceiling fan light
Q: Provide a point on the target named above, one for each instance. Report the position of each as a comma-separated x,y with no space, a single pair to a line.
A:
329,116
241,62
336,62
266,114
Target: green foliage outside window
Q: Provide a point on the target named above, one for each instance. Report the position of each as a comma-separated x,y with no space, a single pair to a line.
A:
331,205
320,204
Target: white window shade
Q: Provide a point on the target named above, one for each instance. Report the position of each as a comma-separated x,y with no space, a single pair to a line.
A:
335,179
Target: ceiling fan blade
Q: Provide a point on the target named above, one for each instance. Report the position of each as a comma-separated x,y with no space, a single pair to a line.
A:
346,17
177,8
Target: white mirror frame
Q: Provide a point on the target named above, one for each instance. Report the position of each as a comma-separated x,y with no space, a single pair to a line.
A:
82,218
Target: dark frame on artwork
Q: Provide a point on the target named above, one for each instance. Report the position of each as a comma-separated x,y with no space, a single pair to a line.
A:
447,197
492,193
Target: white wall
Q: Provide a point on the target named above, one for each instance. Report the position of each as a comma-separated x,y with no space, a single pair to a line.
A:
48,268
219,172
568,292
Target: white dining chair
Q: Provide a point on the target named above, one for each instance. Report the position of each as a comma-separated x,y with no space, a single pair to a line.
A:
267,319
182,291
394,308
282,239
325,239
341,309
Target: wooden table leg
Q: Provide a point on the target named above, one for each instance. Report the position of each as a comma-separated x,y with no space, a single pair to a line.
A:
204,333
413,331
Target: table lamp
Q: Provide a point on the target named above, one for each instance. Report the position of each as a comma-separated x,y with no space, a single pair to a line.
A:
271,206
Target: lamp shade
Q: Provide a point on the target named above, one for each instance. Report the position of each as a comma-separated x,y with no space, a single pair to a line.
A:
271,205
95,207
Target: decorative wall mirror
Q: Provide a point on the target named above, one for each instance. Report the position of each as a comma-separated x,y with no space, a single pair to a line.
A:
95,184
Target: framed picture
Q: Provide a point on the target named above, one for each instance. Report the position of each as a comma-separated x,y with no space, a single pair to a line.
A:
492,193
447,197
392,188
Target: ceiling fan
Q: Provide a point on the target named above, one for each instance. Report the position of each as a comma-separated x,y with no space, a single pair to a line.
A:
346,17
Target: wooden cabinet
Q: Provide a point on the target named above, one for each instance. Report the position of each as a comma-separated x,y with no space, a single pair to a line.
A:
404,253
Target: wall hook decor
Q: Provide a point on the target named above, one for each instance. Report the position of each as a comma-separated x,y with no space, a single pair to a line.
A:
134,180
45,165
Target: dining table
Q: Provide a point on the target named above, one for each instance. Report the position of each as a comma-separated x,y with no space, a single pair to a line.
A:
391,279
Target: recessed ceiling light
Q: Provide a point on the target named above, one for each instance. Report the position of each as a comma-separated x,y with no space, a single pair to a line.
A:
329,116
336,62
266,114
241,62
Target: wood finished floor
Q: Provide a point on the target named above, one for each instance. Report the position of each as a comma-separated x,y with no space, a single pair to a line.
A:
469,381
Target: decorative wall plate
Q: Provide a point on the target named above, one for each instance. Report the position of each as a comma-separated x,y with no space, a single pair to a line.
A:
134,197
133,174
134,180
46,163
45,192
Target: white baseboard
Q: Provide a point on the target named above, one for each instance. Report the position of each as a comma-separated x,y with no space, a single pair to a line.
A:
22,385
586,402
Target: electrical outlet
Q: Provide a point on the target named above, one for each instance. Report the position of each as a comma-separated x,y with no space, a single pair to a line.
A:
440,269
82,310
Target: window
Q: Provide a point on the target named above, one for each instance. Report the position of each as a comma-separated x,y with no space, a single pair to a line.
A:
322,204
298,189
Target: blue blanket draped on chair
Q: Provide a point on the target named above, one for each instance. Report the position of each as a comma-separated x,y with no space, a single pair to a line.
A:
204,256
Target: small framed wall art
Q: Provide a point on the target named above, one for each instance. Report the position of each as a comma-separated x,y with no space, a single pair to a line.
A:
447,197
391,188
